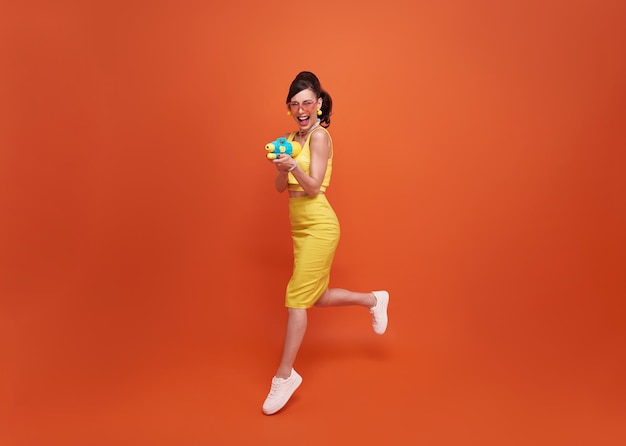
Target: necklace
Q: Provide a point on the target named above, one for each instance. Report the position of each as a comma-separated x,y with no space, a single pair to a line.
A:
306,133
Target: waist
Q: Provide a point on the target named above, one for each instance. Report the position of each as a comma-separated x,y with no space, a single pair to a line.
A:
300,193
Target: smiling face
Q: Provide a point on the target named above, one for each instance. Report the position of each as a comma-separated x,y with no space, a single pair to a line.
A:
303,107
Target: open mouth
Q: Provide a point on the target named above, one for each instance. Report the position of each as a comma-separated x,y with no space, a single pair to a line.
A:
304,120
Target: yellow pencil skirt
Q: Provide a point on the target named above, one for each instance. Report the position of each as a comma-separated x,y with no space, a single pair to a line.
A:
315,233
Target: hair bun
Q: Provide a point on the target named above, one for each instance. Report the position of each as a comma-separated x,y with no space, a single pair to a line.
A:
309,77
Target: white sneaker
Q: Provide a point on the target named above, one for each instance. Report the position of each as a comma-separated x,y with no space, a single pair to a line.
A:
379,311
281,391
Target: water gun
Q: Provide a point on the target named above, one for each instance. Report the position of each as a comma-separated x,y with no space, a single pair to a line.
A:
282,147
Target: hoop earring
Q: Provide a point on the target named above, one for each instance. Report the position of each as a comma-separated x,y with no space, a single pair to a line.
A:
319,112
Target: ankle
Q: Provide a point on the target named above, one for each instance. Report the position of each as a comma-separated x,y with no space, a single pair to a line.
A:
374,300
280,373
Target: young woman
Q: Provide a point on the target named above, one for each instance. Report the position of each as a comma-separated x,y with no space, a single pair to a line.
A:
314,229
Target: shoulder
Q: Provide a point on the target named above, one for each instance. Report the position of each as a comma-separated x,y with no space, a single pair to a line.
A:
320,137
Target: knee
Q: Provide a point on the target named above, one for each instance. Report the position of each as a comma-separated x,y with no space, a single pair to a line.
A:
296,312
323,300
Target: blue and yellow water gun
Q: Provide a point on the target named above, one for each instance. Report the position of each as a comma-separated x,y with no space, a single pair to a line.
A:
282,147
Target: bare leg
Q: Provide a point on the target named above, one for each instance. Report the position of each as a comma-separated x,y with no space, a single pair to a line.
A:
296,327
334,297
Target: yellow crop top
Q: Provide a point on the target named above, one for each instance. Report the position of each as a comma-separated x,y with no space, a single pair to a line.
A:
304,161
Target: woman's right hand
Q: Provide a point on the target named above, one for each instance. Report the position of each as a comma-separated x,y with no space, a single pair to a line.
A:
283,163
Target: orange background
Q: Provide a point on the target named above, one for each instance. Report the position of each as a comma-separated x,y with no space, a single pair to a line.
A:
480,151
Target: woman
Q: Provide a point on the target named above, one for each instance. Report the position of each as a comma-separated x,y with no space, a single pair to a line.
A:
315,231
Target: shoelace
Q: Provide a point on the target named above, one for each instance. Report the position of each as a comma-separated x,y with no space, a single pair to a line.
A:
274,387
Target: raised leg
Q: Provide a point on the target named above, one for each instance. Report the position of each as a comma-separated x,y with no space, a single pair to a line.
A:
376,301
334,297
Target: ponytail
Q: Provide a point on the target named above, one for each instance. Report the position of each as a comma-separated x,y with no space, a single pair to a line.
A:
327,108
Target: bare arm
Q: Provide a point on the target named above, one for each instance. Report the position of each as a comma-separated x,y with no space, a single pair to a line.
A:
281,180
320,152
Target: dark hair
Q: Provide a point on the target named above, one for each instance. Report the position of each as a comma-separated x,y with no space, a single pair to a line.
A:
307,80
